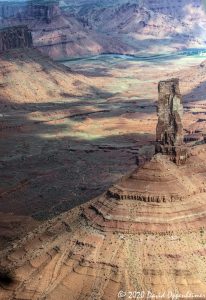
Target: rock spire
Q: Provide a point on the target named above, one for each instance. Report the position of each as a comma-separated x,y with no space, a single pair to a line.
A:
15,37
169,132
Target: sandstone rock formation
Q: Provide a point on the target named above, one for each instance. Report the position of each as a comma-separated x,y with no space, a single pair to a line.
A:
169,128
146,234
29,10
32,66
76,28
15,37
174,9
109,245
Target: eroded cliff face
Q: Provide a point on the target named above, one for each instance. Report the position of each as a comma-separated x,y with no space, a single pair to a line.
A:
95,27
172,8
146,233
156,18
39,10
15,37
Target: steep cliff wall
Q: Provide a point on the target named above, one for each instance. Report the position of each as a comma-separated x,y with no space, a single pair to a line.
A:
39,10
174,8
83,27
15,37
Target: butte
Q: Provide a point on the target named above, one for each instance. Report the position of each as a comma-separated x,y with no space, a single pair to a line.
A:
145,234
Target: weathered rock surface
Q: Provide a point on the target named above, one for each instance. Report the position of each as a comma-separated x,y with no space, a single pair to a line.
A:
30,10
174,9
19,67
13,227
134,203
82,28
109,244
145,234
15,37
170,139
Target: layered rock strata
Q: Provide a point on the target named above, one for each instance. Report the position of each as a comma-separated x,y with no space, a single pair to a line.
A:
169,133
74,28
38,10
145,235
158,197
15,37
174,9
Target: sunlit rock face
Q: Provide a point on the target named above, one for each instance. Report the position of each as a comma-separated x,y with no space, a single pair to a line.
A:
169,128
173,8
62,29
146,17
146,233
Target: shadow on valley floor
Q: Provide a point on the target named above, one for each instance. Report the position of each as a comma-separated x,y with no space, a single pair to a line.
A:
197,94
49,166
97,98
56,155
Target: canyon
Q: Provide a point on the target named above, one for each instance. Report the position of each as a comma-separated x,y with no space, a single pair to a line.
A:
86,117
68,29
145,234
102,158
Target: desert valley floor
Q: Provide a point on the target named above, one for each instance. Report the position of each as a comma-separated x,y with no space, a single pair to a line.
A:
68,140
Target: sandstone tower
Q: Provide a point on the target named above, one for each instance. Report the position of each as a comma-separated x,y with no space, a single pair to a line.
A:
169,132
15,37
146,233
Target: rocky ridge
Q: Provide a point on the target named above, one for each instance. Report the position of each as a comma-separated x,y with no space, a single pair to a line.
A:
29,10
124,27
150,237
